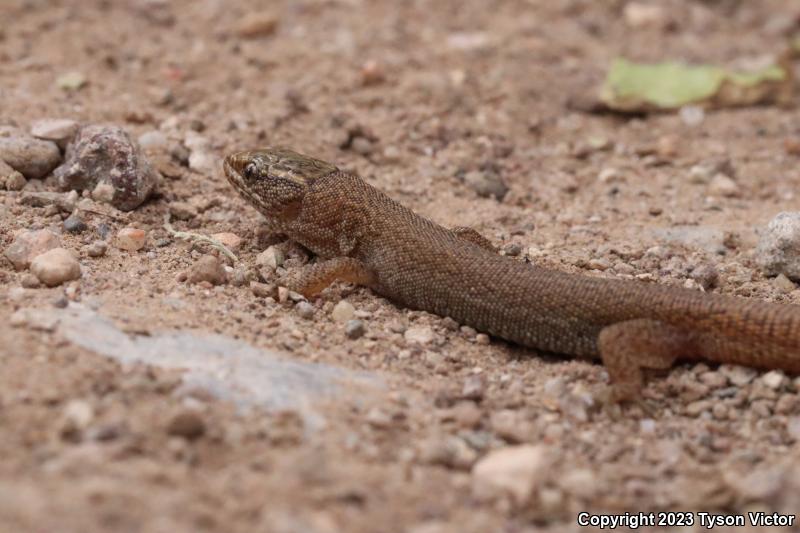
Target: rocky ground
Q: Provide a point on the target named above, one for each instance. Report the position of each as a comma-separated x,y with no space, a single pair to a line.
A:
151,383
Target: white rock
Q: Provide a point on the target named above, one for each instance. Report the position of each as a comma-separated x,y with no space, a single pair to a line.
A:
774,379
131,239
343,311
272,258
202,162
103,192
778,250
722,185
28,244
638,15
419,335
513,471
56,266
153,140
692,115
78,414
58,130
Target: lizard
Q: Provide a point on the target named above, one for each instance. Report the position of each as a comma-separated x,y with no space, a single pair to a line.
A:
363,236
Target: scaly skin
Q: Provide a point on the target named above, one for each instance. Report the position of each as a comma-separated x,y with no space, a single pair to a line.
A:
369,239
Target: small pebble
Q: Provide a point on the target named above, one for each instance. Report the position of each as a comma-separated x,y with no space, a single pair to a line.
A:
74,224
372,74
706,275
131,239
28,244
305,310
33,158
774,379
56,266
259,24
208,268
60,131
230,240
29,281
271,258
692,115
187,424
71,81
722,185
263,290
513,471
419,335
486,183
343,311
97,249
474,388
354,329
153,140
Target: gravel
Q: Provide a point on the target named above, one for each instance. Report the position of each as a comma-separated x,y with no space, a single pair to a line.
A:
28,244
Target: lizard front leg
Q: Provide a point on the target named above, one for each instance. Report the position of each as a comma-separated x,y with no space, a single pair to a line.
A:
630,346
315,278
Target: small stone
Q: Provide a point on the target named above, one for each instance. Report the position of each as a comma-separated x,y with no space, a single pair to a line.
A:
378,418
486,183
698,407
283,294
64,201
739,376
58,130
263,290
449,451
29,281
466,414
182,210
14,181
422,335
240,277
97,249
722,185
78,414
354,329
372,74
343,311
153,141
33,158
784,284
706,275
609,174
131,239
639,15
482,339
305,310
74,224
774,379
230,240
512,249
509,426
778,250
272,258
28,244
208,268
56,266
106,154
254,25
103,192
692,115
187,424
474,388
71,81
513,471
362,145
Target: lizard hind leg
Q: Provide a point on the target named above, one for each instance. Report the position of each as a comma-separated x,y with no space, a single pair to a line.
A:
628,347
472,235
315,278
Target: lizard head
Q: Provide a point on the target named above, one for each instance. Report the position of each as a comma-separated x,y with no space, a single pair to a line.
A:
274,180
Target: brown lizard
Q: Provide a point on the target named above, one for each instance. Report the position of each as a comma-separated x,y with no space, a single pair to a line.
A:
367,238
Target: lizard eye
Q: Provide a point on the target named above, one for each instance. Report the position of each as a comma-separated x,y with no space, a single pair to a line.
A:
250,171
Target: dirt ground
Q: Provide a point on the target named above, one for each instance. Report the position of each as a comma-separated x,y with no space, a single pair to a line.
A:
413,96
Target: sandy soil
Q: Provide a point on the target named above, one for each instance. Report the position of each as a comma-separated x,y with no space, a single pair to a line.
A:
428,92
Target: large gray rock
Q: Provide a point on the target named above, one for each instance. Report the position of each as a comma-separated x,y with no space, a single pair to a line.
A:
105,155
222,366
